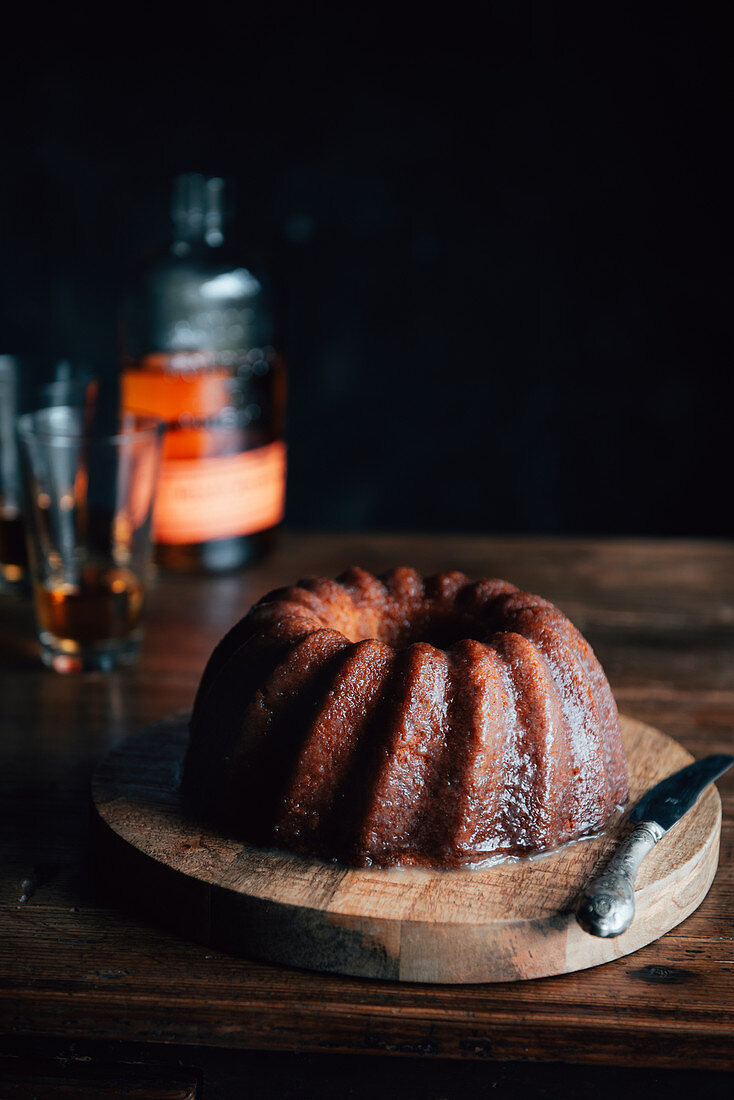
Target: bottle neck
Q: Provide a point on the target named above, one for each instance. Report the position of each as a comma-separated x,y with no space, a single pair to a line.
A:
197,212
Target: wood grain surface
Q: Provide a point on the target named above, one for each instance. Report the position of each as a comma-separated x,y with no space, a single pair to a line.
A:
660,615
503,923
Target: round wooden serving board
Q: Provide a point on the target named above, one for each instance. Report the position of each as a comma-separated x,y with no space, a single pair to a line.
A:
511,921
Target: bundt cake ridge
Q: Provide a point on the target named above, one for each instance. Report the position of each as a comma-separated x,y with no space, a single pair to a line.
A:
400,719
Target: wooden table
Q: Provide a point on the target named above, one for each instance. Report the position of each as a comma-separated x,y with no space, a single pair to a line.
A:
98,987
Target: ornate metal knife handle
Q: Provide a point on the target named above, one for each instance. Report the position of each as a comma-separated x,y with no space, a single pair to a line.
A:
606,906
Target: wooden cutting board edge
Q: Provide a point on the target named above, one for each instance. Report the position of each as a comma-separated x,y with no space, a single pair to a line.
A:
399,924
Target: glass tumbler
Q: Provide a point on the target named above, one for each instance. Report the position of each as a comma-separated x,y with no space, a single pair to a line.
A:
89,502
13,560
22,389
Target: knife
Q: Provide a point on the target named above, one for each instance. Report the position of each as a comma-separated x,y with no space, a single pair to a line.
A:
606,906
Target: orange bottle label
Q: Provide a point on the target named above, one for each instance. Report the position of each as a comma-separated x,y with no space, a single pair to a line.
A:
220,497
169,395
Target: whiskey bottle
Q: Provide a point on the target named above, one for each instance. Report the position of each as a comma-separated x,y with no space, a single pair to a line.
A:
199,353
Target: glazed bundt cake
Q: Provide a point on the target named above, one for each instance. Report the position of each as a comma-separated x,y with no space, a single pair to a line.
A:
405,720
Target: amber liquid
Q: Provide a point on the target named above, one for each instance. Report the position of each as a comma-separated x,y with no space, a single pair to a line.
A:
191,403
103,604
216,555
13,557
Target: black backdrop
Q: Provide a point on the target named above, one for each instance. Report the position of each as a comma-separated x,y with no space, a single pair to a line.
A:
499,242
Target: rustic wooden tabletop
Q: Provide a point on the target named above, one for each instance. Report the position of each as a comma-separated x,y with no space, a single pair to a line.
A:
660,615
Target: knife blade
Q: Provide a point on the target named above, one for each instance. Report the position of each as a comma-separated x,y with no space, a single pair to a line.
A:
668,800
606,906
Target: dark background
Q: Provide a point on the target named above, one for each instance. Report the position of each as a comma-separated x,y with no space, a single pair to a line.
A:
500,237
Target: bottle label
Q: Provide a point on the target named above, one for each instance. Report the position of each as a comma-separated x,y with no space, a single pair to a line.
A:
221,497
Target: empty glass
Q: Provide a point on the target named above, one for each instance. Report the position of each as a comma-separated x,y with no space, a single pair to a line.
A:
22,389
88,506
